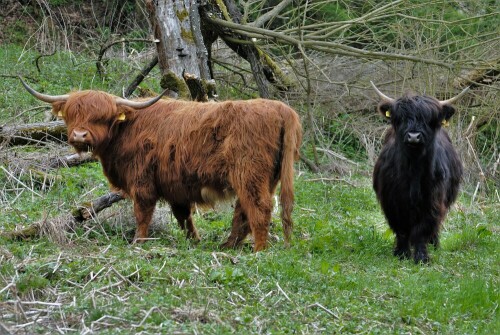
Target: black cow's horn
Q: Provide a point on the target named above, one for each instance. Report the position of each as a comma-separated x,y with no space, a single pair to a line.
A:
380,94
43,97
138,104
455,98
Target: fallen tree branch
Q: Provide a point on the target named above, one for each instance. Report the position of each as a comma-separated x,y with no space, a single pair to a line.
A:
33,133
87,211
54,227
70,160
477,77
310,164
323,46
263,19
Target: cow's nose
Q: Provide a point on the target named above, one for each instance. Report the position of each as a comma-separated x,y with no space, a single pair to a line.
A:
79,136
414,138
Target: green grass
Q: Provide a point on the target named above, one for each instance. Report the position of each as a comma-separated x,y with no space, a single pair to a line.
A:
59,74
340,261
339,276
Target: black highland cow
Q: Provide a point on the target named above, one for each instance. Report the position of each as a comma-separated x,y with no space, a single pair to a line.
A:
417,175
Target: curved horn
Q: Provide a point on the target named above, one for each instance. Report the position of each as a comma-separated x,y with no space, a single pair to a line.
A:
138,104
43,97
380,94
455,98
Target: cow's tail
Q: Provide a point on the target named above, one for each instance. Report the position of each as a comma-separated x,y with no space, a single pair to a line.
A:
292,138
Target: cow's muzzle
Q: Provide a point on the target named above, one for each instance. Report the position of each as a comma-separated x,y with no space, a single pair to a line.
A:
414,138
81,140
79,136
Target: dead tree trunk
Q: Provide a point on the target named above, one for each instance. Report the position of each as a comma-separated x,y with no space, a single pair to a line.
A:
186,32
176,23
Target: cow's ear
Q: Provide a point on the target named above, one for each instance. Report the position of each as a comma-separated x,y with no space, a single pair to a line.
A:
123,114
121,117
58,109
447,112
385,108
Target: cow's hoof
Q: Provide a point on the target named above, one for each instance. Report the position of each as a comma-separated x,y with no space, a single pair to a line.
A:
435,242
402,253
228,245
421,257
194,238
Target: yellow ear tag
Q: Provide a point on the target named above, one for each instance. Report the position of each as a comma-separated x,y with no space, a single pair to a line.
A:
60,114
121,117
387,114
445,123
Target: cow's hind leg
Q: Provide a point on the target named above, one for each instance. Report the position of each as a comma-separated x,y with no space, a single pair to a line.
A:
257,204
239,229
143,214
182,213
435,240
402,248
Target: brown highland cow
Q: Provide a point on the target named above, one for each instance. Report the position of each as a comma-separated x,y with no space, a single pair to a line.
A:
190,153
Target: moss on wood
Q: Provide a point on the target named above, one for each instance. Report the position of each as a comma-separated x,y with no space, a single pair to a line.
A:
223,9
182,14
187,35
174,83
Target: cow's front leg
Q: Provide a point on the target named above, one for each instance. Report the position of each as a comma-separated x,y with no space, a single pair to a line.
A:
421,235
402,248
239,229
421,255
143,211
182,213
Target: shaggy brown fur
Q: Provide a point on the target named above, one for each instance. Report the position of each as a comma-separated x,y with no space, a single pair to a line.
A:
192,153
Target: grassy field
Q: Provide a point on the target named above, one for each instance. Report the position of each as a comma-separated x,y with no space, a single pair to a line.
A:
339,276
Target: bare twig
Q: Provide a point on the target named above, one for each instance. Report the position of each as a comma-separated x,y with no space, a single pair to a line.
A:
140,77
43,55
100,67
317,304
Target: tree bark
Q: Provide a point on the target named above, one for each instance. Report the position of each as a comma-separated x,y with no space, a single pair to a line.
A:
246,50
176,24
